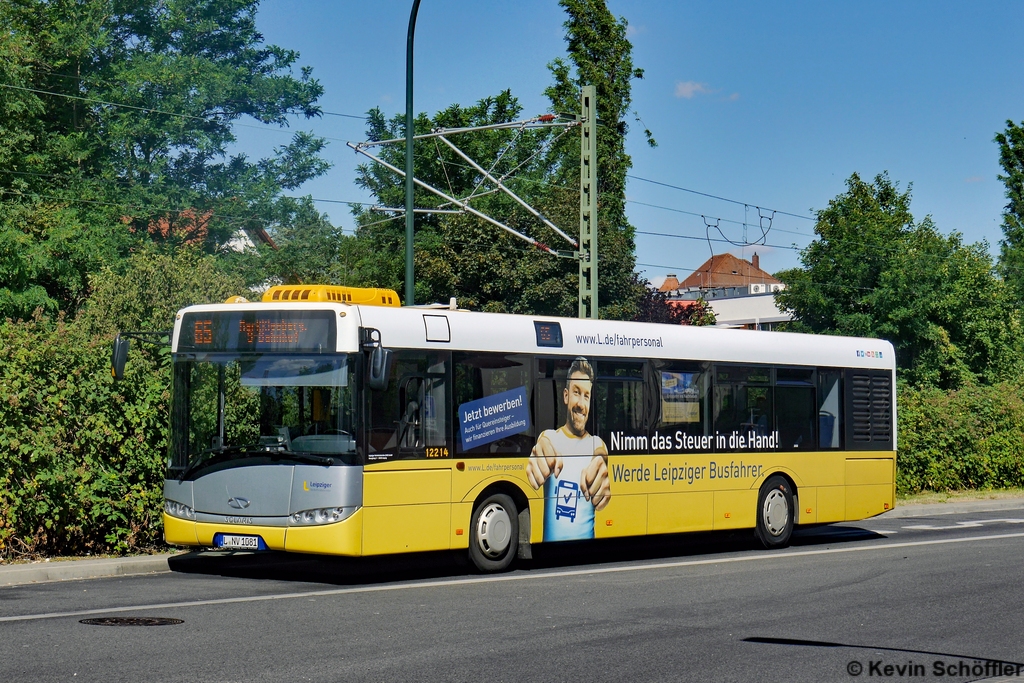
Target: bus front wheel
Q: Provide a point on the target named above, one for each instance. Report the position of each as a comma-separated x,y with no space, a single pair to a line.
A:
775,513
494,533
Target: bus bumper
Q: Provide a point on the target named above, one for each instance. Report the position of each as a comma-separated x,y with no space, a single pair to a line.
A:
179,531
340,538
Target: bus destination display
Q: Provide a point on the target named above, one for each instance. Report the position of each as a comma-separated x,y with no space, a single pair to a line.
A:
308,331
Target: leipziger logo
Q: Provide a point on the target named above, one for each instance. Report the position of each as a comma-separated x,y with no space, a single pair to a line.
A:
317,485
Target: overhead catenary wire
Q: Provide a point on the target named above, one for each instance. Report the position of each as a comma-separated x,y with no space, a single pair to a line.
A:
92,79
264,222
542,121
534,212
440,134
697,238
466,207
348,202
230,219
718,218
546,120
252,218
151,110
468,243
639,203
719,198
508,175
660,207
391,209
871,246
505,178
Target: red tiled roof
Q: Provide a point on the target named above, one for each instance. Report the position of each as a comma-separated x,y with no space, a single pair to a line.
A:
726,270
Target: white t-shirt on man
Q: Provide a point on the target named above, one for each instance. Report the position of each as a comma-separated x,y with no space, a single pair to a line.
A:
568,516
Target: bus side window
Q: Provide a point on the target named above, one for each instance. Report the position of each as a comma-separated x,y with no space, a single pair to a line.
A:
743,400
413,413
504,376
547,405
795,408
830,410
681,400
617,405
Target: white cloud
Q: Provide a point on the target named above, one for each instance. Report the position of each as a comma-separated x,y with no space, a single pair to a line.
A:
690,89
632,30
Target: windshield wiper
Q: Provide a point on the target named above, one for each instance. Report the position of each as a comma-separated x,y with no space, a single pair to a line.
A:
220,454
307,458
275,452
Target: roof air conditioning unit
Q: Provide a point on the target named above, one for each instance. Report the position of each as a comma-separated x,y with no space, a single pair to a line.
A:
757,289
777,288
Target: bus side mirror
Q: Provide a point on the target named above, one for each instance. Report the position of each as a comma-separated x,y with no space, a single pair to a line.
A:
379,369
119,356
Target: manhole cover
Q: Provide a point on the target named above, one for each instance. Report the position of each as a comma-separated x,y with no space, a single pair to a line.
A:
131,621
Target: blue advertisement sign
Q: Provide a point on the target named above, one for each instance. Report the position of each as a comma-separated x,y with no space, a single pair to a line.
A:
493,417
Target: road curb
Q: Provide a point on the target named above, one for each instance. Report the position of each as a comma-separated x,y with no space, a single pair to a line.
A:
43,572
953,508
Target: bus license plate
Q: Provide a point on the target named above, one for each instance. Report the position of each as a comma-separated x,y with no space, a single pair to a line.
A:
235,542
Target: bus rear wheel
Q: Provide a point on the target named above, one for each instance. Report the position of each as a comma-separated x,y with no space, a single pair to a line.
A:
494,533
775,513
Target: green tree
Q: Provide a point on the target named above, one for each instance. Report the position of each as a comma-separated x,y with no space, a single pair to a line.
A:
145,291
600,54
701,314
874,272
1011,249
122,116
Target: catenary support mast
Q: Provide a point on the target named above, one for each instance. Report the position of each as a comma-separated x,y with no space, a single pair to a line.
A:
588,204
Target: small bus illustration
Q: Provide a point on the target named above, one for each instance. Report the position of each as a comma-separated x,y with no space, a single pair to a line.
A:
568,495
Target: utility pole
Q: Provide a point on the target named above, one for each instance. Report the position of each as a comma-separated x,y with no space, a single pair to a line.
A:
410,222
588,204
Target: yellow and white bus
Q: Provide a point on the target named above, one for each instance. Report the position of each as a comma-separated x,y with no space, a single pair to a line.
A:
332,420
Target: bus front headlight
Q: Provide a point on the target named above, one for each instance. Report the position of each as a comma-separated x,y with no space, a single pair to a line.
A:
176,509
319,516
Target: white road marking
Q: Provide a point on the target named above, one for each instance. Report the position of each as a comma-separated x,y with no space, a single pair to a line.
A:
540,576
963,525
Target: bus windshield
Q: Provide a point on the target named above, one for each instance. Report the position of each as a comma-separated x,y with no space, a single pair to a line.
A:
231,405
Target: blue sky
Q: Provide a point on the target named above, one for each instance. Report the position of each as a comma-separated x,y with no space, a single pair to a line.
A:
769,104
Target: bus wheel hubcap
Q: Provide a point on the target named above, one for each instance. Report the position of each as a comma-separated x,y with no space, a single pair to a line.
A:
493,530
776,512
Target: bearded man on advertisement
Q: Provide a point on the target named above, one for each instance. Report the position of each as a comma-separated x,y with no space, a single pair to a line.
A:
571,464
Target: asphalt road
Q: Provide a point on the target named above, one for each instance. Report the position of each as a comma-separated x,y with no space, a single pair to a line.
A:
922,595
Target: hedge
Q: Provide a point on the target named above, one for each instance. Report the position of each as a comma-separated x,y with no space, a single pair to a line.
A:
81,458
972,438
